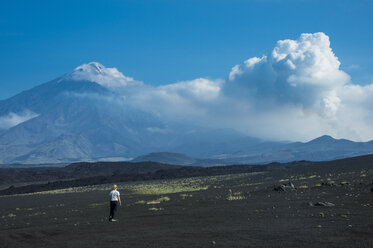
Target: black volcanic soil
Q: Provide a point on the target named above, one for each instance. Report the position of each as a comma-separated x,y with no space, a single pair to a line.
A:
79,170
28,180
240,210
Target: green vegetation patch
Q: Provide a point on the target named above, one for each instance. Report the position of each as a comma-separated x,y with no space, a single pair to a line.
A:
96,204
156,209
168,187
234,196
159,200
184,196
11,215
303,187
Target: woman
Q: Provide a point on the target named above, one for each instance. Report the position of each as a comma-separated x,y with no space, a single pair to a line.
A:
114,200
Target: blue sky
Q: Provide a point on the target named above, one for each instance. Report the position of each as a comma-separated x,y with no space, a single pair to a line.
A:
162,42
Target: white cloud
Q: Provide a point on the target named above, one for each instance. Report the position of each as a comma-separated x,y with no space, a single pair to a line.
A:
303,71
296,92
200,89
108,77
13,119
182,100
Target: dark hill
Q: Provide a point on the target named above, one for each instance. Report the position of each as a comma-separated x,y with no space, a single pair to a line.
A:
78,171
85,169
167,158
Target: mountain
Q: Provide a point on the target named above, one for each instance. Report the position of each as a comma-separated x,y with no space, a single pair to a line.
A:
72,120
84,115
320,149
328,148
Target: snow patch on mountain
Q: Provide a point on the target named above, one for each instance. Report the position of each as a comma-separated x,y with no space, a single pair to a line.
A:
96,72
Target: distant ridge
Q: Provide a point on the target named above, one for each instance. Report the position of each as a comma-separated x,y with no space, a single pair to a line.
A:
166,158
178,159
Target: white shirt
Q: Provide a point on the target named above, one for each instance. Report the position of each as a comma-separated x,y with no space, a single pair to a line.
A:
114,195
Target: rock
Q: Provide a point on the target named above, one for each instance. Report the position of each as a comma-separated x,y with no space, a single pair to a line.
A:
279,188
284,186
289,185
324,204
345,183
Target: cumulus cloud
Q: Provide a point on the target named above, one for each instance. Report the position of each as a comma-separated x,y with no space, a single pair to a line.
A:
303,72
302,80
13,119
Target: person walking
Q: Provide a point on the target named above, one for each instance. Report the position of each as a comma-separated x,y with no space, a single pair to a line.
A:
114,201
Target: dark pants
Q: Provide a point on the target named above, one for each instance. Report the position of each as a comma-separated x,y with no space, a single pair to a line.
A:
113,208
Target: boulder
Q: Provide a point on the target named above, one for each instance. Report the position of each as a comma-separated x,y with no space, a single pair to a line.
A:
324,204
284,186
